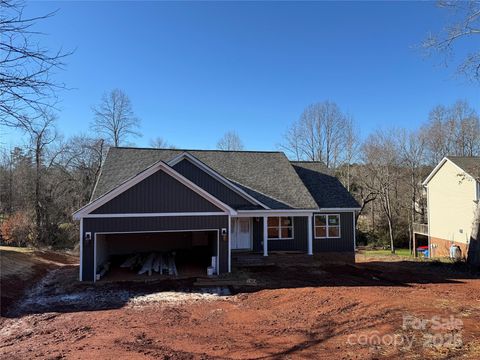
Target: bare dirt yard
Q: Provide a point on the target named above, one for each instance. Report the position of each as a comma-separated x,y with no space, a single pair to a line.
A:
22,268
383,307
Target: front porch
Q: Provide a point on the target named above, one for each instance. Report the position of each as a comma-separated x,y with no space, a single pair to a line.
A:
262,235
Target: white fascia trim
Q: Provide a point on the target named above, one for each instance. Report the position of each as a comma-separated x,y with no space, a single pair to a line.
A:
437,168
340,209
215,175
261,213
122,215
160,165
434,171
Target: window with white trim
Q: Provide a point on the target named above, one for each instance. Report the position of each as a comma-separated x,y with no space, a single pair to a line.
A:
327,226
280,228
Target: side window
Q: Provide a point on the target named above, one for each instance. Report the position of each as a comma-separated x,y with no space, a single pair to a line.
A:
327,226
333,226
320,226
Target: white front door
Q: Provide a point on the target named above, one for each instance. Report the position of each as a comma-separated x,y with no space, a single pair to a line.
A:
241,233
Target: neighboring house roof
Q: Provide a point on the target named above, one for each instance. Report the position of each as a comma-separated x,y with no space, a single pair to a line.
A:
469,164
266,176
325,188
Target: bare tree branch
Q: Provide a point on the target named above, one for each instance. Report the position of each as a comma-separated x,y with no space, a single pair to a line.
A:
465,24
26,69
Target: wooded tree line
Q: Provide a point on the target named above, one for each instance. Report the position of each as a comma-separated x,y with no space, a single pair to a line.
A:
384,171
47,176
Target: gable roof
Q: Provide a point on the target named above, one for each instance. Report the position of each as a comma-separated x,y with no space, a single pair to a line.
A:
131,181
325,188
469,164
266,176
216,176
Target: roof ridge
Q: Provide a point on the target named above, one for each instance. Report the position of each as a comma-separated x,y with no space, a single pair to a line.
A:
307,161
463,157
186,150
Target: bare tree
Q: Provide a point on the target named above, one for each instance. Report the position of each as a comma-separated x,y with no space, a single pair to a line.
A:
160,143
293,142
320,135
453,130
26,69
42,134
412,146
230,141
464,26
114,117
350,152
467,129
382,161
80,164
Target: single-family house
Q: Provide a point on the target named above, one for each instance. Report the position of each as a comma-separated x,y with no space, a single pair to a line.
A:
453,191
204,203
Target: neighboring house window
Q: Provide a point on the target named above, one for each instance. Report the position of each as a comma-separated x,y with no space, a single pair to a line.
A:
327,226
280,228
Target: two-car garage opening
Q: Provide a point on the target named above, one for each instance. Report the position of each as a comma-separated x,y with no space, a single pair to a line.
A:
122,256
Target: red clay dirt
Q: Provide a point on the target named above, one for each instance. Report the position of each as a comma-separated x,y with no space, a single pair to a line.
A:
336,312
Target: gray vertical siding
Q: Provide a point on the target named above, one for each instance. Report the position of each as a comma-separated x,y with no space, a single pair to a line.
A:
211,185
257,234
343,244
145,224
298,243
157,193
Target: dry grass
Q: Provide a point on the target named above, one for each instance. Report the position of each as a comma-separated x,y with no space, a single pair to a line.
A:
20,268
17,261
20,262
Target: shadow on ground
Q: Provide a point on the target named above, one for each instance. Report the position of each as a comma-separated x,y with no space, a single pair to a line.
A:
60,291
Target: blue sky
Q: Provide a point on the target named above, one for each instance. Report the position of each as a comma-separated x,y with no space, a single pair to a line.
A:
196,70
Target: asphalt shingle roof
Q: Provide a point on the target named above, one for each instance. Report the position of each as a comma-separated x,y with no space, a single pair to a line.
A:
469,164
325,188
266,176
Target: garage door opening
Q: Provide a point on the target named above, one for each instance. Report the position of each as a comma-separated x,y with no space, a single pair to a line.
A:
121,256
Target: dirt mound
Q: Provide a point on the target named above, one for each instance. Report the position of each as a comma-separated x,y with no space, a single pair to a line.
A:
22,268
351,312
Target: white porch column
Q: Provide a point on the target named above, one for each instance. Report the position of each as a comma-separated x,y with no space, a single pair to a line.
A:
229,244
310,235
265,236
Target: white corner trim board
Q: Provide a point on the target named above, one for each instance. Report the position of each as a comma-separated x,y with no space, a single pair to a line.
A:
81,250
160,165
215,175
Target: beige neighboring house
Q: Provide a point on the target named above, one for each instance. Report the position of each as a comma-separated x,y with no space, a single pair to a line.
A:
453,190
